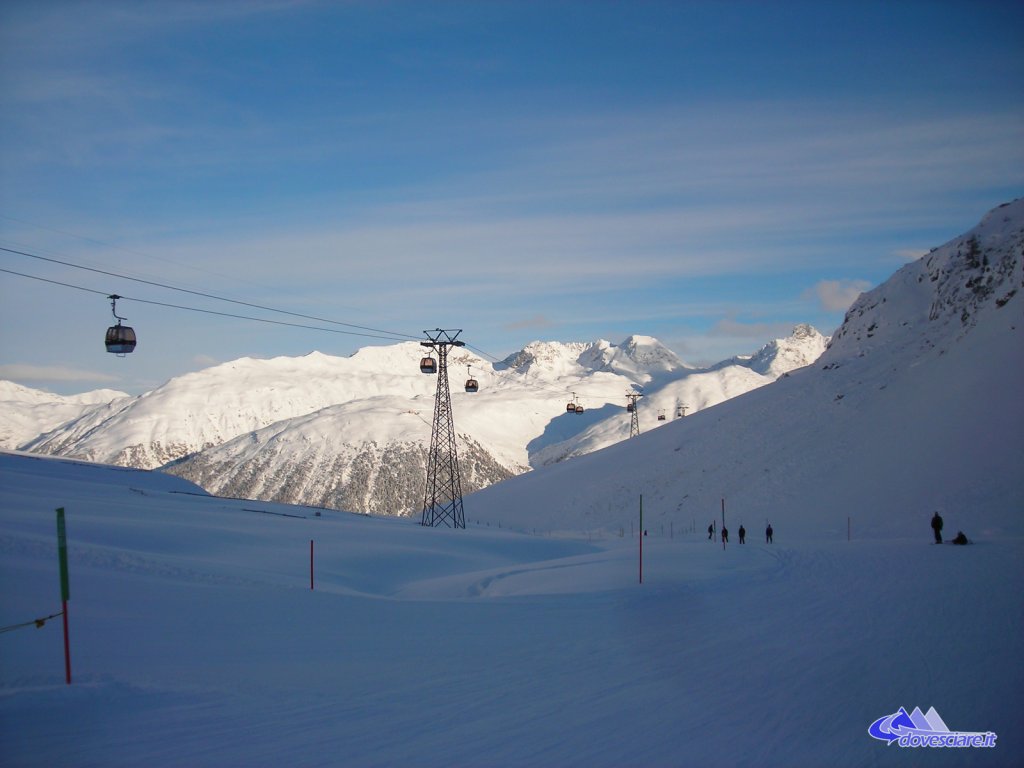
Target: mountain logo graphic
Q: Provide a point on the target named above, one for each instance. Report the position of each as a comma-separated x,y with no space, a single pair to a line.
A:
925,730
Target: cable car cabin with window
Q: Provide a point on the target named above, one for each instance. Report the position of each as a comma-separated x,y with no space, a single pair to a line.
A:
428,365
120,339
472,385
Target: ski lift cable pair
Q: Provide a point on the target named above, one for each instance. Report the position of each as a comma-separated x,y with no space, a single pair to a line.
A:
377,333
386,333
204,311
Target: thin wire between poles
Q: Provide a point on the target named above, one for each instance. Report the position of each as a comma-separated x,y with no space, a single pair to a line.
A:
206,295
209,311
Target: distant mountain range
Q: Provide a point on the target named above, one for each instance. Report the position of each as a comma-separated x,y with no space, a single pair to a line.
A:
352,432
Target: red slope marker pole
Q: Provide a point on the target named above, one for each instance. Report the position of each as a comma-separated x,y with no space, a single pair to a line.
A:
62,556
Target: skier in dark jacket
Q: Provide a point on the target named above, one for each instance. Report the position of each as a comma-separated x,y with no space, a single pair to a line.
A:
937,527
725,533
743,535
768,534
711,531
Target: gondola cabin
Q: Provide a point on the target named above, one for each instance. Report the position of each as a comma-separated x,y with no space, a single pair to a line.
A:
630,407
578,409
472,385
428,365
120,339
570,407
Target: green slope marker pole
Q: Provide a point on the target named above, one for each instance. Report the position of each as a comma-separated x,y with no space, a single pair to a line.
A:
62,556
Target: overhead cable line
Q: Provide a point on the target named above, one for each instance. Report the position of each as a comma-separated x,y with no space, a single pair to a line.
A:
166,286
206,311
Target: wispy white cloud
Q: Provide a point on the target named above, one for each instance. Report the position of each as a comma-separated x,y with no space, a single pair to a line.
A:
838,295
731,328
534,322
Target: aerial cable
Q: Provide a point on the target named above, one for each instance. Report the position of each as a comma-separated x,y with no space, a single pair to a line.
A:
204,311
166,286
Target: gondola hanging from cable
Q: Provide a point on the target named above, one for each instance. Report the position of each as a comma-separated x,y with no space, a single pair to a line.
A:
472,385
572,406
120,338
428,365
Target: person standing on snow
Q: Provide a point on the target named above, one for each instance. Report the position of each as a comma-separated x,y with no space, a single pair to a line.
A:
743,534
725,533
711,531
768,534
937,527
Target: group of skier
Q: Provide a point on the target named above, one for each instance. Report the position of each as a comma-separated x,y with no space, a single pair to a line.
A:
937,524
768,533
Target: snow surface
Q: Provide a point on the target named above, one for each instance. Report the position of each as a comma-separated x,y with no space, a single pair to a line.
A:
196,640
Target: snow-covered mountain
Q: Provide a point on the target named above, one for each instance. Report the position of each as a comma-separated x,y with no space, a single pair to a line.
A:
352,432
29,413
914,406
780,356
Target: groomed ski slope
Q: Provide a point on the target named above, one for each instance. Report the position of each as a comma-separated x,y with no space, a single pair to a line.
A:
196,640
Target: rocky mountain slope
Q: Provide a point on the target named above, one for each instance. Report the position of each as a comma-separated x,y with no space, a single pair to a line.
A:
914,407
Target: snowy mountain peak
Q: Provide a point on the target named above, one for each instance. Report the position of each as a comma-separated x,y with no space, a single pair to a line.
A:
556,356
649,353
938,299
779,356
638,357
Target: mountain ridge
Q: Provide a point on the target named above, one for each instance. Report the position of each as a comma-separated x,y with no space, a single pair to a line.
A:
194,423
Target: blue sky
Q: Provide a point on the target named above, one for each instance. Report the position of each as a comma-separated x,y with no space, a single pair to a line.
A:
708,173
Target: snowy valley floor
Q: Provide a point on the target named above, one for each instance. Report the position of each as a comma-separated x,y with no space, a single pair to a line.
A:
196,640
